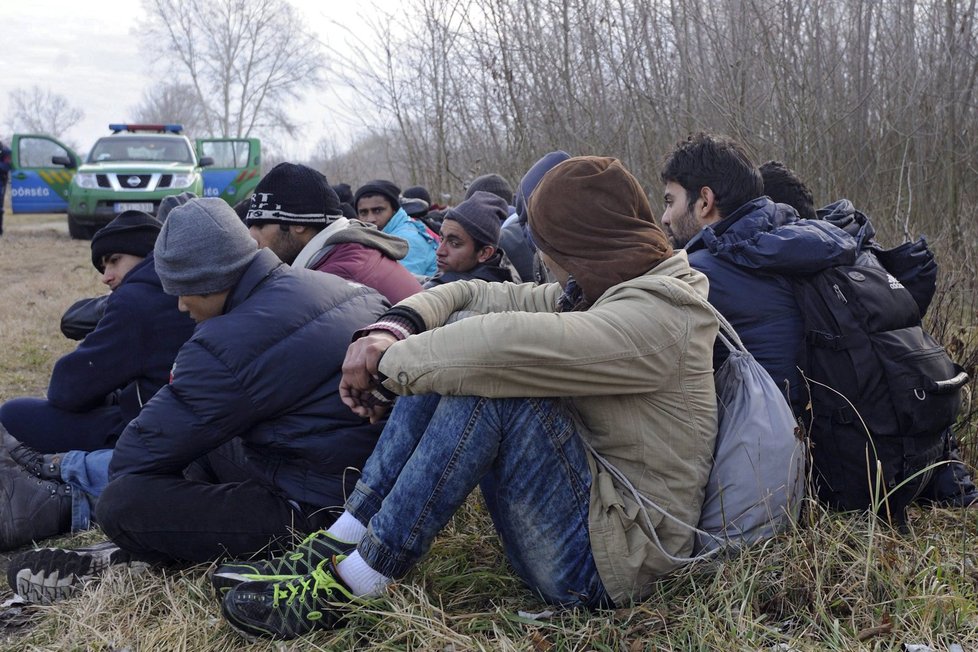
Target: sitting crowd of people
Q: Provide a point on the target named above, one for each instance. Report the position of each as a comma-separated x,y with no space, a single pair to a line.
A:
351,364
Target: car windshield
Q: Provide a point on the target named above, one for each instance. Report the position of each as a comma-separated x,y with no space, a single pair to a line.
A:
140,148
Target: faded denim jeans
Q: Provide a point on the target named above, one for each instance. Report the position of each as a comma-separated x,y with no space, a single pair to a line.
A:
530,463
87,473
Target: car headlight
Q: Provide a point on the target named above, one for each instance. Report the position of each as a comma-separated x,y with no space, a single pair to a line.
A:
86,180
183,180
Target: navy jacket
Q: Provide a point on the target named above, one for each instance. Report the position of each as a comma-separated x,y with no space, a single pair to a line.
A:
267,370
747,257
131,349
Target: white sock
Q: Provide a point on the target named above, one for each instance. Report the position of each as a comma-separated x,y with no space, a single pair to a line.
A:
347,528
362,579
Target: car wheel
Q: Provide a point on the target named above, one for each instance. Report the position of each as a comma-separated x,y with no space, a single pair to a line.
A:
79,231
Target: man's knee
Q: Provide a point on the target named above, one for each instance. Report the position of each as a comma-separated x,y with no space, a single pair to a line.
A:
118,500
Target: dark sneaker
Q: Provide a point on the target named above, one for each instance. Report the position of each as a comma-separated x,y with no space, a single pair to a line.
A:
50,574
46,467
289,608
314,549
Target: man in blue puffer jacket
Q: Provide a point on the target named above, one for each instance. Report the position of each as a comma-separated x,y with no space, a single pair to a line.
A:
260,367
746,244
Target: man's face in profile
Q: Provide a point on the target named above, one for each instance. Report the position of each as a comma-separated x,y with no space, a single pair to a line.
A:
678,220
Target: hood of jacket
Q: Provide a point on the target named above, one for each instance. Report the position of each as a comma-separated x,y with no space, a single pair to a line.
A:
767,236
843,215
369,236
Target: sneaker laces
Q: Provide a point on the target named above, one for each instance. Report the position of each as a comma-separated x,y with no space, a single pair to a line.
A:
322,580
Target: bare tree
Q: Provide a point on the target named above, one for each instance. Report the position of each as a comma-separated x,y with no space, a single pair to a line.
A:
172,103
42,111
245,59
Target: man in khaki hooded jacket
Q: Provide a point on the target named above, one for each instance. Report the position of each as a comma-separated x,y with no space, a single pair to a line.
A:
578,486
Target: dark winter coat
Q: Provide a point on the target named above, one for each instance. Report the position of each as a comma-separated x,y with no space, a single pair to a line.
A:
267,370
747,257
130,351
494,269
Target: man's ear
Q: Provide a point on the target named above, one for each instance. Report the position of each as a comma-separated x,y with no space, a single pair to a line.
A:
485,253
705,209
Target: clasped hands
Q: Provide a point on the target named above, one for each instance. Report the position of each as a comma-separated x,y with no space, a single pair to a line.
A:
361,375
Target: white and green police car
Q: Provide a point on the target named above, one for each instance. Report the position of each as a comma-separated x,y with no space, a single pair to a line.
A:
133,169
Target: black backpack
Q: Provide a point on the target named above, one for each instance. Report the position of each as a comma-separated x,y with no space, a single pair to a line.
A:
882,391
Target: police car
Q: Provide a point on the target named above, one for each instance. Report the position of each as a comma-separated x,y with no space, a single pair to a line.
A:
132,169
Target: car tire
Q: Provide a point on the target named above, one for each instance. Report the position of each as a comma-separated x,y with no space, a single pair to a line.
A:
79,231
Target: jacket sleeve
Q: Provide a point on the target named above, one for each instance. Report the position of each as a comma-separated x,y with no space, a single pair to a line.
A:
202,408
83,316
622,347
106,360
437,304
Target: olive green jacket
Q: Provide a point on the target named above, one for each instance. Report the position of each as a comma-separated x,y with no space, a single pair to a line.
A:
637,369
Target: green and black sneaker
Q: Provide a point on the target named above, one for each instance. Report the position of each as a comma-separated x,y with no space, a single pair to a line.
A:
314,549
289,608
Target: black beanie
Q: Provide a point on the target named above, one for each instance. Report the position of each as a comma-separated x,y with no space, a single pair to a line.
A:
379,187
132,232
344,192
293,194
417,192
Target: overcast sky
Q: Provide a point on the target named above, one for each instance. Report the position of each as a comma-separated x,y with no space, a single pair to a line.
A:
90,53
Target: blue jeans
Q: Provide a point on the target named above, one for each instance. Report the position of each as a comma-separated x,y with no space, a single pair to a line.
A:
534,477
87,473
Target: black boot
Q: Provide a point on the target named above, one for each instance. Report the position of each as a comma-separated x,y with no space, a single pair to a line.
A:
31,509
44,466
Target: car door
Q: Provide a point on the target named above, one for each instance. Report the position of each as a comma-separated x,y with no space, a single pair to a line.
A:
235,170
37,183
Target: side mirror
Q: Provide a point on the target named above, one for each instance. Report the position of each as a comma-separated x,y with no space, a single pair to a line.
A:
64,161
205,161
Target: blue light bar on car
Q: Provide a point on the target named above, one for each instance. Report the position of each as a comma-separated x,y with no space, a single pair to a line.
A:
161,128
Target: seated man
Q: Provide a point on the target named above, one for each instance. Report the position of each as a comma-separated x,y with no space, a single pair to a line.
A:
263,364
94,390
951,483
378,202
512,238
469,246
296,214
100,386
576,486
755,252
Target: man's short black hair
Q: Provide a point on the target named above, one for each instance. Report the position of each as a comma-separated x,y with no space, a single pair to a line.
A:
782,185
706,160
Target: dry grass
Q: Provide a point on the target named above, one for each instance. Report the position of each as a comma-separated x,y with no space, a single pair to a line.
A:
834,583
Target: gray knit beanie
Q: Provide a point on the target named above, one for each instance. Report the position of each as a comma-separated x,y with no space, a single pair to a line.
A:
203,248
491,183
167,204
481,216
